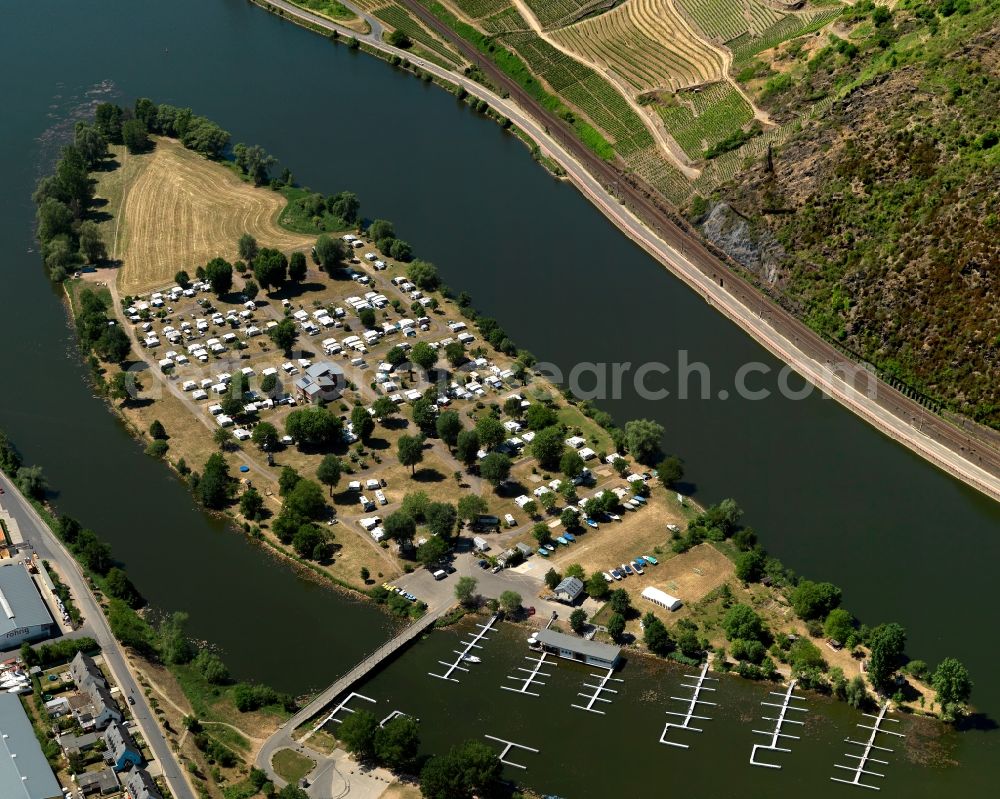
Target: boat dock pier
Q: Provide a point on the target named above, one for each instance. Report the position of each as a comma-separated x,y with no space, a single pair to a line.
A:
782,718
464,653
867,746
508,745
693,701
600,688
532,676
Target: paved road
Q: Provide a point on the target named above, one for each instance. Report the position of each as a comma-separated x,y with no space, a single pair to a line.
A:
37,534
642,216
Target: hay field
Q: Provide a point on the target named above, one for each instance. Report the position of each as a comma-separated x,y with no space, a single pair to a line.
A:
646,44
181,210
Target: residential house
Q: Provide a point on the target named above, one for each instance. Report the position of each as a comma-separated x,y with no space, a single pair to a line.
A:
102,783
122,750
322,381
569,589
139,785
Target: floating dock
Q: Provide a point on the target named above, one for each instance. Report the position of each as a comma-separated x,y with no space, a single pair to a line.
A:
508,745
601,687
532,675
332,715
786,707
693,701
463,653
867,747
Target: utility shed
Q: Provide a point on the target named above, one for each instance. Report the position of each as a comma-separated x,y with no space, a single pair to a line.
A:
569,589
23,615
661,598
24,772
592,653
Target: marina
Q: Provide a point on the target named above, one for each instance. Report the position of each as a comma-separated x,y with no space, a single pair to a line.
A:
508,745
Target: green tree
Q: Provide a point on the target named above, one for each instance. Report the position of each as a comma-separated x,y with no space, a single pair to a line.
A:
467,447
490,431
465,590
306,500
441,519
741,622
953,686
214,485
314,427
357,734
119,586
750,565
424,275
620,602
571,464
578,620
424,413
495,468
814,600
251,503
642,438
455,353
219,274
410,451
510,601
284,334
839,625
297,267
306,539
570,518
288,478
670,470
362,421
548,447
329,254
265,436
597,586
655,635
247,248
448,426
397,742
270,267
432,551
423,355
254,161
329,471
91,242
616,627
886,644
134,136
539,416
400,527
470,506
384,408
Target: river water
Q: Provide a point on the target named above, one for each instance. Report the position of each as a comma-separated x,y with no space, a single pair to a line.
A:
833,498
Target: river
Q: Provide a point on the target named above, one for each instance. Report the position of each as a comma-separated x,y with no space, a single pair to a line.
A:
829,495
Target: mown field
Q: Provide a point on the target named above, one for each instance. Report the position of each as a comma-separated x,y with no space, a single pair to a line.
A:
181,211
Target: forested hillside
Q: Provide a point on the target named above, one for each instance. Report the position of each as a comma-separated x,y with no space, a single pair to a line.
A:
879,219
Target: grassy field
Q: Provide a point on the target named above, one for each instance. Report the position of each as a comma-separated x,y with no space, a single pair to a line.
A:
645,42
180,211
703,119
338,12
291,766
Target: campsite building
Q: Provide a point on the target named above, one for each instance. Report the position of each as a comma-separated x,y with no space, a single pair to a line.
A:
593,653
322,381
23,615
661,598
569,589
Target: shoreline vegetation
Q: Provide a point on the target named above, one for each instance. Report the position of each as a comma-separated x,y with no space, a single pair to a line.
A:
724,623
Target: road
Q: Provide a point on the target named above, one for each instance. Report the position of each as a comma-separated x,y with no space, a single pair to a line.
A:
646,219
38,535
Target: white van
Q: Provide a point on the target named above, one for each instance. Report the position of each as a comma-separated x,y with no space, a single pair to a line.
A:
440,574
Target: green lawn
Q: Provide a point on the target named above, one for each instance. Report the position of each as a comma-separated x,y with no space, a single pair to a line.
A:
291,766
328,8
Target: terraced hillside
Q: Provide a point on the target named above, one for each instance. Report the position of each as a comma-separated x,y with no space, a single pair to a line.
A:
724,20
700,120
647,44
556,13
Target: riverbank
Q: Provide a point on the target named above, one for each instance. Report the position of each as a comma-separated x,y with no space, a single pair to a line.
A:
657,229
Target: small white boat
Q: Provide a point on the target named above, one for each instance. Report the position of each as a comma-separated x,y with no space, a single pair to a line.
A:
19,689
471,659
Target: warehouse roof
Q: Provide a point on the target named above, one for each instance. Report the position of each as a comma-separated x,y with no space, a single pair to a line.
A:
24,772
20,603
